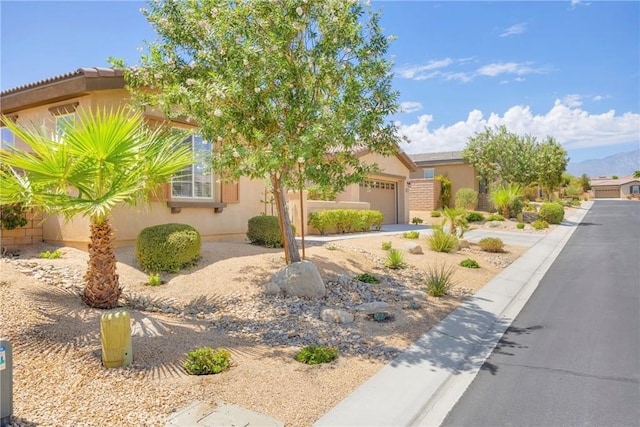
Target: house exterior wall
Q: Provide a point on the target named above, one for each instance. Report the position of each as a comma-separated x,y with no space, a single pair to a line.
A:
625,189
461,175
424,194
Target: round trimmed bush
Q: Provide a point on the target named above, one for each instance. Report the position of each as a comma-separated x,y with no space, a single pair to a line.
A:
553,213
264,230
168,247
491,244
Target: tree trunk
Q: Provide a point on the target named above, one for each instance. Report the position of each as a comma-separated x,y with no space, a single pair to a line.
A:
290,247
102,288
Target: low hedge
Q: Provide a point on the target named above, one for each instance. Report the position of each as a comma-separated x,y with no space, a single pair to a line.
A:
345,220
553,213
264,230
167,247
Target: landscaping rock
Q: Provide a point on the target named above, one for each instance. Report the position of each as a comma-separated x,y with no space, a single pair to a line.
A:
271,289
413,248
372,307
301,279
463,244
335,315
494,224
529,216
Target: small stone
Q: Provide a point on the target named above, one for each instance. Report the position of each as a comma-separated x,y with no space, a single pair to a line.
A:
334,315
463,244
371,307
413,248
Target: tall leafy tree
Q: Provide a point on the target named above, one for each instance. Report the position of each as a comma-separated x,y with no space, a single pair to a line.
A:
550,163
99,161
288,90
502,157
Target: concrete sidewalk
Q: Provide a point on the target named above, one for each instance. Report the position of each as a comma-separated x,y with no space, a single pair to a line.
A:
420,386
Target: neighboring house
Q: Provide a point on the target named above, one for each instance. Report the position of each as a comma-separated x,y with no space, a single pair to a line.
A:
196,197
622,187
425,189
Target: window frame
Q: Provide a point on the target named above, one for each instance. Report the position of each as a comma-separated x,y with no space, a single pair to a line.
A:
425,173
63,117
193,184
5,144
634,187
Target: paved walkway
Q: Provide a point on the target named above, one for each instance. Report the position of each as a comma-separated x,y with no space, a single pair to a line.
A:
421,385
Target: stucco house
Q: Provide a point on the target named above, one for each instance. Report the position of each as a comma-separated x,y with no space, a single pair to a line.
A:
217,210
425,189
621,187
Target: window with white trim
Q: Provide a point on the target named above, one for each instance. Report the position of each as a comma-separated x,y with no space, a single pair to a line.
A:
8,139
429,173
195,181
635,189
62,120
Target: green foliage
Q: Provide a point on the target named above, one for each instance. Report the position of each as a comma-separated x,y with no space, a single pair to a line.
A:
552,212
386,246
456,220
491,244
316,192
417,220
440,241
12,216
575,202
436,214
154,279
332,247
264,230
207,361
495,217
395,260
51,255
614,177
466,198
507,199
474,217
585,183
550,163
469,263
316,354
346,220
439,280
445,191
520,225
540,224
367,278
411,234
636,174
167,247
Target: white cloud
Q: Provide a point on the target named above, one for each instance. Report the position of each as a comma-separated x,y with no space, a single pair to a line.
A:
438,69
514,29
575,3
572,100
416,71
498,68
410,106
573,127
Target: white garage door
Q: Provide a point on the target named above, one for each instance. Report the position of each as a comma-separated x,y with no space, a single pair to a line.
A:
383,197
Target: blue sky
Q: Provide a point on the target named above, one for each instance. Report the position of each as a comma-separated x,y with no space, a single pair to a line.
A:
569,69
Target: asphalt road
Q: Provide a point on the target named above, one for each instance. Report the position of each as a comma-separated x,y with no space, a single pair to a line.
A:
572,355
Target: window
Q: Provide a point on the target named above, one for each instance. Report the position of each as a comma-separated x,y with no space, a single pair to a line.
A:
8,139
62,120
635,189
195,181
429,173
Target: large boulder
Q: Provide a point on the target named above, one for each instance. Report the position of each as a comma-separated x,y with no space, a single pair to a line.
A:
301,279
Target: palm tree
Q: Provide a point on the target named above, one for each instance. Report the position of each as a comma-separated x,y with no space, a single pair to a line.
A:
505,197
97,162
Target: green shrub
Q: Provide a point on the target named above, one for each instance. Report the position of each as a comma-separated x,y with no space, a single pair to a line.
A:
445,191
417,220
319,221
440,241
207,361
466,198
495,217
264,230
520,225
436,214
469,263
540,224
316,192
51,255
386,246
507,199
553,213
474,217
395,260
372,219
316,354
345,220
167,247
411,234
13,216
367,278
439,280
491,244
154,279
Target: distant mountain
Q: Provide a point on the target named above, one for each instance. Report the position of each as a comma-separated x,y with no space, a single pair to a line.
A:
620,164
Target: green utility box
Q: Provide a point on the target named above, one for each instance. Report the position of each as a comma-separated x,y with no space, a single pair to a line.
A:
115,331
6,382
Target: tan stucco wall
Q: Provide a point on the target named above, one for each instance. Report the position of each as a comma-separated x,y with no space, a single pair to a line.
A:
625,189
460,175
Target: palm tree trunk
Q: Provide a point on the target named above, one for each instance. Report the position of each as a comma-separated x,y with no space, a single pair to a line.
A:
102,288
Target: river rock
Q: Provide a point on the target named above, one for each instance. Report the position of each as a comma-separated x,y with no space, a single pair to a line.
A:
335,315
413,248
371,307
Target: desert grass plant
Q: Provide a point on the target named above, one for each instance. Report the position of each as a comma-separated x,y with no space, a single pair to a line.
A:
491,244
436,214
440,241
386,246
411,234
520,225
417,220
51,255
367,278
395,260
474,217
316,354
495,217
469,263
332,247
207,361
154,279
540,224
456,219
440,280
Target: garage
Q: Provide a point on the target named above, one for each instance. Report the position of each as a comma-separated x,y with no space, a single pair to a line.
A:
383,197
607,192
